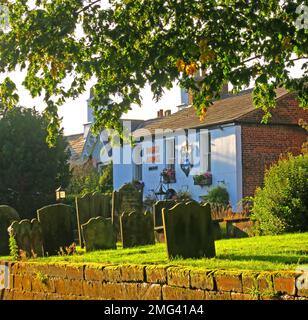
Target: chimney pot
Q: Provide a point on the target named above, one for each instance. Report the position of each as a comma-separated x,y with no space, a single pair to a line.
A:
160,113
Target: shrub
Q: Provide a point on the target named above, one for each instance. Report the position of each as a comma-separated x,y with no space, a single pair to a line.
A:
217,196
282,204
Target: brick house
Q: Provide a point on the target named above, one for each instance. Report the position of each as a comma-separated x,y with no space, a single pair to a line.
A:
231,144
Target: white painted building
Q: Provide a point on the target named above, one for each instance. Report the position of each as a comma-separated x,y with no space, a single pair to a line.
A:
220,145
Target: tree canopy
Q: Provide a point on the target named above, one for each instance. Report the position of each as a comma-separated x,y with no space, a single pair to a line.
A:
30,171
128,43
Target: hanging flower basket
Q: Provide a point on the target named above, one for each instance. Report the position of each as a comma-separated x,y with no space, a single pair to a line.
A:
168,176
204,179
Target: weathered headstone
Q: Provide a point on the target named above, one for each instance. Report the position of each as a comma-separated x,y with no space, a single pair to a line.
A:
56,227
92,206
37,242
127,199
98,234
28,236
7,216
137,229
189,231
157,211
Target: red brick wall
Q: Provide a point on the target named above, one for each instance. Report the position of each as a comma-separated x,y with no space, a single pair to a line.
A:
262,145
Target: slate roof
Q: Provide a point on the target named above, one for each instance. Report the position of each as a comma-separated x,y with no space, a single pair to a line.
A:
76,143
228,110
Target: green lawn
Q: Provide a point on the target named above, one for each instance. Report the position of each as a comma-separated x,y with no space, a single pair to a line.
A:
269,253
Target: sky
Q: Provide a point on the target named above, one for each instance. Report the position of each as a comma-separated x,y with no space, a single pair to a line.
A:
74,112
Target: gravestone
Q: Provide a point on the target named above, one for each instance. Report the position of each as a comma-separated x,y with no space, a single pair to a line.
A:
7,216
92,206
37,238
189,231
127,199
98,234
157,211
56,227
28,236
137,229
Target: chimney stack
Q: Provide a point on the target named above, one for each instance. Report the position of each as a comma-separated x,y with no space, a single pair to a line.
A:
167,113
160,113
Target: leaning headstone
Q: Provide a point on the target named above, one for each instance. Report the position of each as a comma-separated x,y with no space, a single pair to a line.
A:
127,199
56,227
137,229
92,206
98,234
7,216
28,236
189,231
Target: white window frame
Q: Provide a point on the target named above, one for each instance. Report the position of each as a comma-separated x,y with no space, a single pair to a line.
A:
137,162
170,152
205,150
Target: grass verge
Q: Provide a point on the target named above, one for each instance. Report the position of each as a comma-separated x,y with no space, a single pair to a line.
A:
267,253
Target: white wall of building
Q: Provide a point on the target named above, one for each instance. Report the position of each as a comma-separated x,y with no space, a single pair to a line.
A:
226,167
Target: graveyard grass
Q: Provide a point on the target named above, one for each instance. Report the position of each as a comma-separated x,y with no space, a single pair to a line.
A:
268,253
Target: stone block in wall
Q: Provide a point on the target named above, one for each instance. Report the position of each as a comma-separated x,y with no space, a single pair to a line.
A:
178,277
156,274
265,284
214,295
112,274
242,296
93,273
201,280
228,281
74,273
92,289
175,293
284,283
250,283
132,273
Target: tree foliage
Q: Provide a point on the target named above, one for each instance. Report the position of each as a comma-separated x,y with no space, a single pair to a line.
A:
129,43
30,171
86,179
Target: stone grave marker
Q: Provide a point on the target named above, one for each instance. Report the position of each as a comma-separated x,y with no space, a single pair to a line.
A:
189,231
37,238
28,236
157,211
7,216
127,199
56,227
98,234
91,206
137,229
